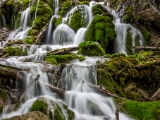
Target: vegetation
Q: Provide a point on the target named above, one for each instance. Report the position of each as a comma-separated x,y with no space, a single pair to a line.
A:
3,95
101,30
128,15
39,105
143,110
15,51
90,48
65,6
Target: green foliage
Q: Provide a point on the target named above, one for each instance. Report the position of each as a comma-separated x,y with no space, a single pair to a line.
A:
39,105
65,6
98,9
76,21
128,15
57,21
102,31
14,51
143,110
84,2
81,58
58,114
90,48
146,37
3,95
56,59
29,40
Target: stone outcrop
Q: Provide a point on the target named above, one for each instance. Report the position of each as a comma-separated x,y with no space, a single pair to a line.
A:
36,115
4,34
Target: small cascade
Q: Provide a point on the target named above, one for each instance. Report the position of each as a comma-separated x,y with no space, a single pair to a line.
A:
63,35
79,36
21,32
56,5
3,21
36,9
49,32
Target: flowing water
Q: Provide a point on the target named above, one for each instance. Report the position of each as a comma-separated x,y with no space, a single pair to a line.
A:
76,77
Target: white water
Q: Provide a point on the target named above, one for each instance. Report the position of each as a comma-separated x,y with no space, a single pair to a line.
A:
36,9
21,32
56,3
3,21
49,31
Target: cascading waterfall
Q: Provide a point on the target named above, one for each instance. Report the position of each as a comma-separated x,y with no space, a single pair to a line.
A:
21,32
49,31
56,5
3,21
36,9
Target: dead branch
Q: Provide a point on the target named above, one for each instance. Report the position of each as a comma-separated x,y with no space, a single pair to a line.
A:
155,96
138,48
28,87
40,36
62,51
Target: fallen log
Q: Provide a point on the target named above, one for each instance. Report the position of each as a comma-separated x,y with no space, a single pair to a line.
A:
20,100
155,96
138,48
57,90
40,36
103,91
62,51
10,72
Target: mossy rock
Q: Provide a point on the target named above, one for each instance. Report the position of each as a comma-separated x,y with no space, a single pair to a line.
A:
65,5
128,14
15,51
101,30
56,59
143,110
90,48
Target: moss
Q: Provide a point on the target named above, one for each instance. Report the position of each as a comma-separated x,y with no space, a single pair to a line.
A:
129,43
15,51
58,114
77,20
81,58
29,40
128,15
3,95
39,105
143,110
146,37
101,30
65,6
105,79
90,48
84,2
99,9
56,59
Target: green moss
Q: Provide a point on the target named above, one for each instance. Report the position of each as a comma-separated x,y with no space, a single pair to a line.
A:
129,43
56,59
128,15
102,31
81,58
39,105
15,51
65,6
3,95
84,2
29,40
58,114
146,37
90,48
98,9
143,110
77,21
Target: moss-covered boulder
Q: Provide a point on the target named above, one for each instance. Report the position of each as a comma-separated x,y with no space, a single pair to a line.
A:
54,109
35,115
90,48
142,110
101,30
65,5
16,51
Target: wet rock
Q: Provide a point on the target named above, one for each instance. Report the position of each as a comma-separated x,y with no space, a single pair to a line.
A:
35,115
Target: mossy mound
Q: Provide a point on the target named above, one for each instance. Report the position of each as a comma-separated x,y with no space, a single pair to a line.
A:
130,77
90,48
55,110
65,5
101,30
77,20
128,14
143,110
15,51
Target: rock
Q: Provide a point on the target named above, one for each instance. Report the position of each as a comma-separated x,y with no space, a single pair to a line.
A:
35,115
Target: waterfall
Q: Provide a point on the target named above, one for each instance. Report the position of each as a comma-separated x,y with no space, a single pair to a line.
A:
56,4
21,32
36,9
3,21
79,36
49,31
63,35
